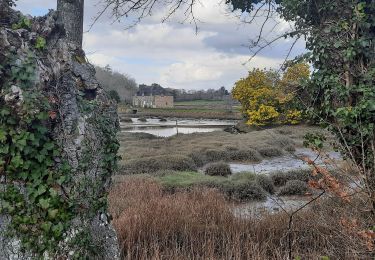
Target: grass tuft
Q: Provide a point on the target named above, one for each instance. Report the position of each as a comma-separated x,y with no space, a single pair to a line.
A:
218,169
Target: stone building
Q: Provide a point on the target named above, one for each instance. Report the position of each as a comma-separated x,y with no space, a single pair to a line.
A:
153,101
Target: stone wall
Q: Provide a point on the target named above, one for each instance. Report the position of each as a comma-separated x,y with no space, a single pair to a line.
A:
164,102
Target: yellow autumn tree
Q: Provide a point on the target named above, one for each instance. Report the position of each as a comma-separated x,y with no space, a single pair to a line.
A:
269,98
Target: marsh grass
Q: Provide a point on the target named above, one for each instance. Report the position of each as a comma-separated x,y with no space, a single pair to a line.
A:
294,187
281,178
157,163
203,148
218,169
199,224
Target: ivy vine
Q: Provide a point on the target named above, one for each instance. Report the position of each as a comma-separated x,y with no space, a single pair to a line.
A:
36,181
32,194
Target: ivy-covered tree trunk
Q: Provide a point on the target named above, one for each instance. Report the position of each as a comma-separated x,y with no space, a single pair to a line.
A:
58,144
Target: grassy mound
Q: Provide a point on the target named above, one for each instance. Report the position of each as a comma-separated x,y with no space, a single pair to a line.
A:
142,119
281,178
218,169
270,151
157,163
294,187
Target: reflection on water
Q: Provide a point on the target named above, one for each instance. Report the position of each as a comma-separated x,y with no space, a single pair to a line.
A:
170,131
283,163
171,127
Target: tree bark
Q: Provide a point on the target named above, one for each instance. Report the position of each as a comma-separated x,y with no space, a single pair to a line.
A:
84,117
70,15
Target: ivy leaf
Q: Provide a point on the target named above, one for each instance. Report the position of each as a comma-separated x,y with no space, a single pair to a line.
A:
40,157
57,230
49,146
17,161
46,226
42,189
52,213
44,203
40,43
2,135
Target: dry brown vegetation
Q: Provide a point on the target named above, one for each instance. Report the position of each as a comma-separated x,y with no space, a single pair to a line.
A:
199,224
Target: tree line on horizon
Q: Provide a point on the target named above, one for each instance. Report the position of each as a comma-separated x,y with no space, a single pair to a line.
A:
122,88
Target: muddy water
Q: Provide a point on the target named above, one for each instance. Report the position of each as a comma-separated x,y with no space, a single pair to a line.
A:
275,204
283,163
272,205
172,127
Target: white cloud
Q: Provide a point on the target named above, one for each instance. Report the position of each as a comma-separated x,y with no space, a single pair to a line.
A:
172,54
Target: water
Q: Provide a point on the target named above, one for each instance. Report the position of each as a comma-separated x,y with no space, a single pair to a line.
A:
283,163
168,128
272,205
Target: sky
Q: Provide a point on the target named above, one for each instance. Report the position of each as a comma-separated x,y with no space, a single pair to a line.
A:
174,54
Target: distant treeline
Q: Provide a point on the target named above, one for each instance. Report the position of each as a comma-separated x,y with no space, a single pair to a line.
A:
182,94
123,87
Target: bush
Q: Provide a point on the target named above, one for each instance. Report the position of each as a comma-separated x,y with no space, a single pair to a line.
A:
246,192
244,155
157,163
126,120
142,119
216,155
266,183
270,151
218,169
294,187
281,178
199,158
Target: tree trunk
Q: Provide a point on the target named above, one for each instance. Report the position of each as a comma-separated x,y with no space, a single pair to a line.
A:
70,15
83,124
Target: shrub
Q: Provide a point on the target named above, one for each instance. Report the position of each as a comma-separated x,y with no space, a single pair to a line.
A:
126,120
199,158
218,169
270,151
281,178
266,183
142,119
216,155
157,163
244,155
246,192
294,187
